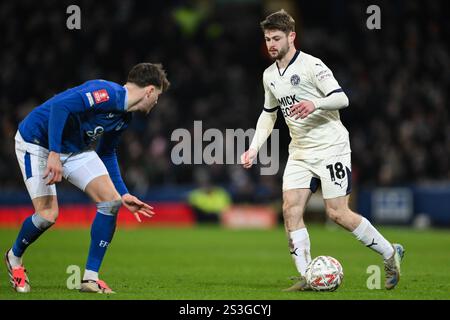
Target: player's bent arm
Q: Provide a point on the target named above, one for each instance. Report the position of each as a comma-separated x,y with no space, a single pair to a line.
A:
264,127
58,116
106,150
112,165
334,101
133,204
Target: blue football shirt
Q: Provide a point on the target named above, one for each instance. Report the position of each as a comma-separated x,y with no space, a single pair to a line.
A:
73,120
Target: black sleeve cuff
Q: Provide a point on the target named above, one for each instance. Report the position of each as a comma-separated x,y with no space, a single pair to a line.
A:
271,110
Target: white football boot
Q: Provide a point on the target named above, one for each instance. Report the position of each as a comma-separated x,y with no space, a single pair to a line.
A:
300,285
95,286
17,276
392,266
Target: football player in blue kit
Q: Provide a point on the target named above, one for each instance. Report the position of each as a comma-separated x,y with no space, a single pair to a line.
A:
57,140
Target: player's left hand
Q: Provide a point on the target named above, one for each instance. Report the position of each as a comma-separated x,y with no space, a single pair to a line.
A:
54,169
137,207
302,109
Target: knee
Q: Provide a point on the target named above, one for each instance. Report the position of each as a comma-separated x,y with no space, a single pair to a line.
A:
49,214
110,208
293,215
291,209
337,214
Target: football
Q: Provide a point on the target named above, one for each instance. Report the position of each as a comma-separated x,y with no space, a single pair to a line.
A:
324,273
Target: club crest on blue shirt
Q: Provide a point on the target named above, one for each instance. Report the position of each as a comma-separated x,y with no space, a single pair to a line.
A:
94,134
295,80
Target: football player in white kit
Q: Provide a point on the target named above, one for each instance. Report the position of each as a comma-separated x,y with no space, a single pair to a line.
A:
309,97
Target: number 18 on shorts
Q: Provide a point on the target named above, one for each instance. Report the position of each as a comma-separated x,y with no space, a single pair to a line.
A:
333,174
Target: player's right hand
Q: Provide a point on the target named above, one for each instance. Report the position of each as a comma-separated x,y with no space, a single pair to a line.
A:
137,207
54,168
248,157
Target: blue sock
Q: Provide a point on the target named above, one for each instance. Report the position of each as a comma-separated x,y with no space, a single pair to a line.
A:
32,228
102,232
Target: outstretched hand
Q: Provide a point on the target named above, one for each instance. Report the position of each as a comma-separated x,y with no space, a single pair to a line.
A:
137,207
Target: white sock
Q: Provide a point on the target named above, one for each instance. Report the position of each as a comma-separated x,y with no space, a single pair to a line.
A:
367,234
90,275
13,260
301,249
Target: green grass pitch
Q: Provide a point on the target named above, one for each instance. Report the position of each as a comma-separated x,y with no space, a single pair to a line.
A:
206,263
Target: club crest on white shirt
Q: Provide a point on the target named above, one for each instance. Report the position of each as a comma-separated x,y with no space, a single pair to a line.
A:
295,80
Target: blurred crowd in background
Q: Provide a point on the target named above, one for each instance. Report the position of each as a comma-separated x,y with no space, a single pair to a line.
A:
396,78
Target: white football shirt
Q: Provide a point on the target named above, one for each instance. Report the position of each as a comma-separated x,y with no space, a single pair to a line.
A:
321,134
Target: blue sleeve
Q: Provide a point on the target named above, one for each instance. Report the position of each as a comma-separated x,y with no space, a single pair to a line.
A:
106,149
59,112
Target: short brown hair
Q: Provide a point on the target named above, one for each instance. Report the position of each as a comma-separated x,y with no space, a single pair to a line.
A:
144,74
280,20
